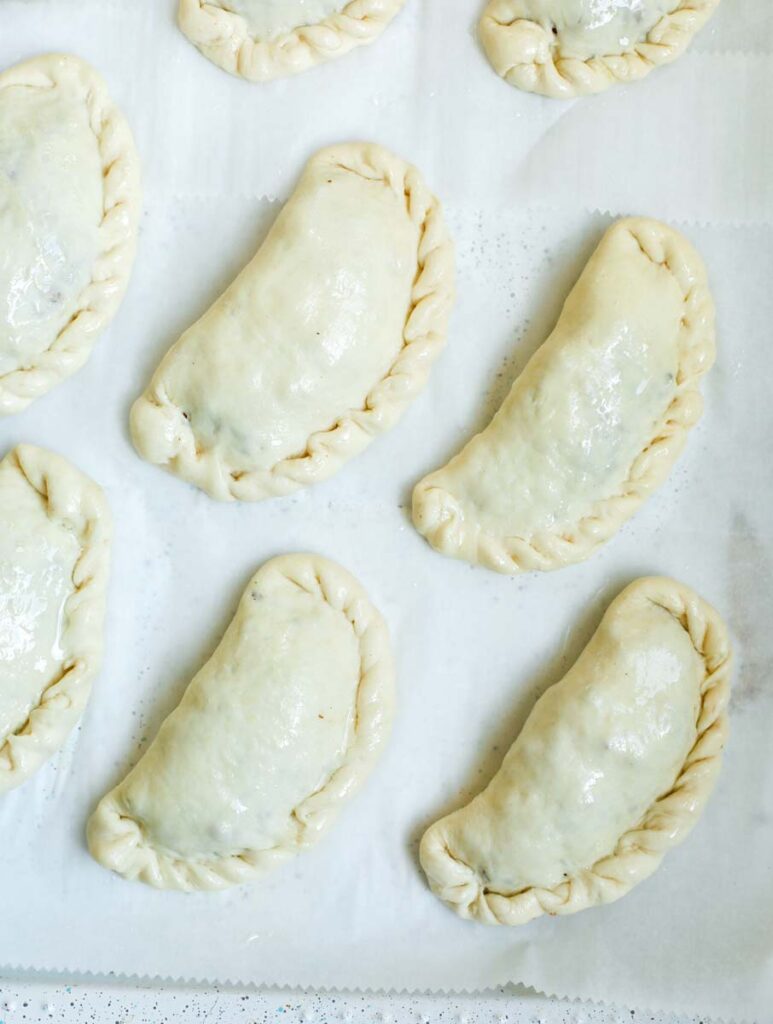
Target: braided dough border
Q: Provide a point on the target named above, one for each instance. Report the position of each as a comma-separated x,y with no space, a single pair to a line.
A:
118,841
78,503
225,38
439,516
424,337
97,304
523,52
668,821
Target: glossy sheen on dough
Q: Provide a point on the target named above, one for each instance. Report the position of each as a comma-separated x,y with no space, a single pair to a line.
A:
567,48
279,728
318,345
611,770
264,39
54,555
594,422
69,207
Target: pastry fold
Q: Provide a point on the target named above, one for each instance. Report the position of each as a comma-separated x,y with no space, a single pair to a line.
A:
594,422
69,210
55,534
321,342
231,36
612,769
274,734
563,49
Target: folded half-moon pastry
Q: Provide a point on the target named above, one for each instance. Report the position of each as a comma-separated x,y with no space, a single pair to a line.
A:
264,39
611,770
280,727
566,48
54,556
69,207
594,422
318,345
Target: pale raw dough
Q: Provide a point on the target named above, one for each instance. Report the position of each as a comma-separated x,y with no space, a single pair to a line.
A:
597,28
54,553
611,770
267,19
566,48
594,422
319,344
69,206
277,730
264,39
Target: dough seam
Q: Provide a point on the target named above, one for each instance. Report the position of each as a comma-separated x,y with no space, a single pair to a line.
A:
522,53
117,840
666,823
440,517
225,39
100,299
76,501
424,336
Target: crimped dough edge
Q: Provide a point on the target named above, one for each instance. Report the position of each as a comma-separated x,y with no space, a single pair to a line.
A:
666,824
451,530
76,501
522,52
118,842
424,336
99,301
225,39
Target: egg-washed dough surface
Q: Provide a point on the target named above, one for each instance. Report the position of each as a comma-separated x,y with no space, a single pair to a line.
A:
48,153
264,39
69,206
612,768
54,551
275,732
596,419
318,345
267,19
566,48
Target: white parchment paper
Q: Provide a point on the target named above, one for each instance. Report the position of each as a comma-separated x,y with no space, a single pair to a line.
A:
519,177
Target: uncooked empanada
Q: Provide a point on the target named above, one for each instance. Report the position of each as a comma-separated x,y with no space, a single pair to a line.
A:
566,48
279,728
612,769
69,207
318,345
264,39
54,556
594,422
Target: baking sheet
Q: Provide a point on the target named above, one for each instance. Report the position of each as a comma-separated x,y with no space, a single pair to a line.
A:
473,649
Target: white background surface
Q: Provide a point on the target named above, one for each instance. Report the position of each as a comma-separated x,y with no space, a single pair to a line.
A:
518,176
22,1003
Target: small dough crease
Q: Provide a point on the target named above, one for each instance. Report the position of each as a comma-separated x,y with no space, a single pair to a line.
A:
568,48
54,558
263,39
595,421
278,729
612,769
